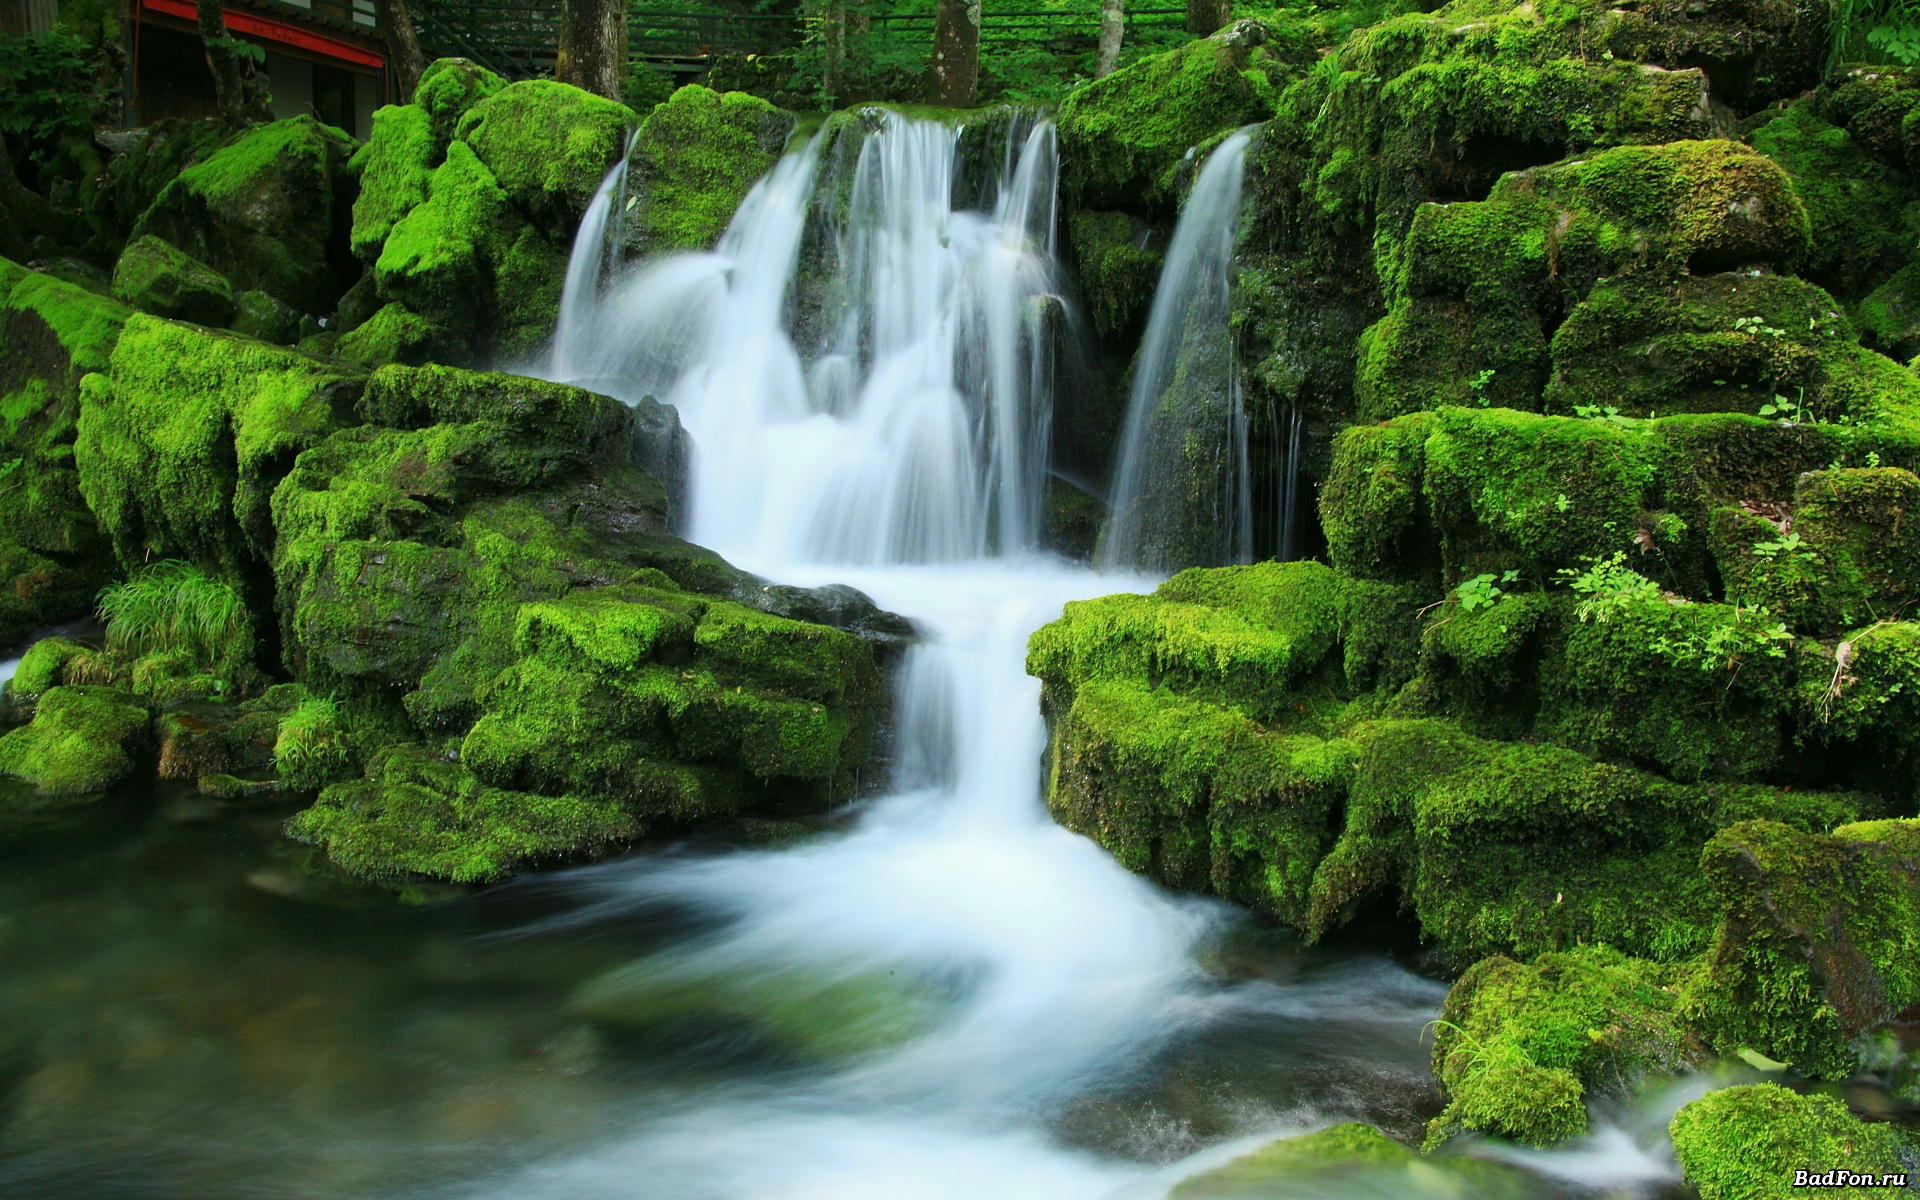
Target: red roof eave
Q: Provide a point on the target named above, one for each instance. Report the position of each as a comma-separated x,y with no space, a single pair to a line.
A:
283,32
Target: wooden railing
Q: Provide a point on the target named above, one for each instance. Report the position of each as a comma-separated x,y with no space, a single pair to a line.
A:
518,40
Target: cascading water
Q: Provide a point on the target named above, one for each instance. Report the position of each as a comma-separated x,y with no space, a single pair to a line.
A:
974,992
1182,490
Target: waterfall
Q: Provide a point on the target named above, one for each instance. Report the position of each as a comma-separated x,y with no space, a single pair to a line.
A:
594,245
1182,490
912,426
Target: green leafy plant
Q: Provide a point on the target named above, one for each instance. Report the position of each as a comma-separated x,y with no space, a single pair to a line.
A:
1789,545
1608,587
1478,387
174,606
1789,409
47,92
1483,591
1724,645
1600,412
1757,327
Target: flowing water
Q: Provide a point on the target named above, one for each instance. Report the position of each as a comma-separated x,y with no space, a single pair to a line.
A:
937,994
1182,493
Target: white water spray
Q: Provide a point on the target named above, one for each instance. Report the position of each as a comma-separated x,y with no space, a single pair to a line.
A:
1182,490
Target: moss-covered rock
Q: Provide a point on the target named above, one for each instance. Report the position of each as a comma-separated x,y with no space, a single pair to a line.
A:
1863,214
1226,734
394,334
269,211
447,89
1753,1142
41,668
154,277
694,161
417,814
1820,939
485,562
1118,270
1519,1047
438,259
1123,138
393,168
179,448
53,556
82,739
547,143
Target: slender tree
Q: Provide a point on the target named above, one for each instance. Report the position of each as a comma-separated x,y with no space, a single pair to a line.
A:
239,92
403,46
1113,26
593,45
1207,16
955,74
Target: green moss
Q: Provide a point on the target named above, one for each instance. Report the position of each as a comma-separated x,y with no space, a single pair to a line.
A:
446,90
1124,137
1195,794
531,274
52,554
418,814
260,316
83,739
1519,1046
1373,504
393,168
438,259
1817,940
1337,1151
395,334
1862,217
178,453
1747,1143
1697,691
42,667
696,157
1118,271
154,277
547,143
311,747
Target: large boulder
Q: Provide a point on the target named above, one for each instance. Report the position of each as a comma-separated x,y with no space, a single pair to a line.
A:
485,564
694,161
269,210
180,444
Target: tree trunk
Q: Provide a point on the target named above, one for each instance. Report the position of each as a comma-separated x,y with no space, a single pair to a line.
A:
239,91
593,46
403,47
833,52
1113,24
956,53
1207,16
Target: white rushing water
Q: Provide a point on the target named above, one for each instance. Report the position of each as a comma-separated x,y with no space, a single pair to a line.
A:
957,971
1182,493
